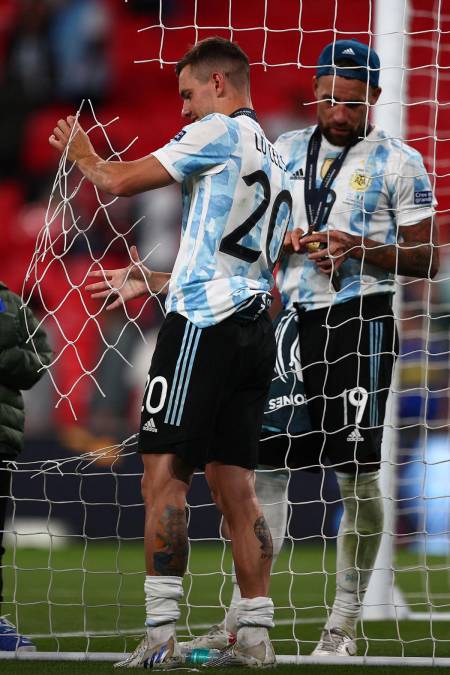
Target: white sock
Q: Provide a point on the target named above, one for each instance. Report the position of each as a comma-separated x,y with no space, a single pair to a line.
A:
357,546
255,612
162,595
271,490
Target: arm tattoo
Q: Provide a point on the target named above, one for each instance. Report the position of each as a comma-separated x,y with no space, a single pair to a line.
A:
262,532
171,543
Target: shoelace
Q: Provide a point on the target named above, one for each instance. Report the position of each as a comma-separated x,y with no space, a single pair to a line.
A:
212,635
213,630
332,638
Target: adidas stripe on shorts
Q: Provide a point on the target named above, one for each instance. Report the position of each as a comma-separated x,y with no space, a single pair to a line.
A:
347,354
206,389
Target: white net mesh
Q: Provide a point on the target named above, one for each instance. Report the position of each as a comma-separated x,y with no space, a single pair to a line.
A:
74,563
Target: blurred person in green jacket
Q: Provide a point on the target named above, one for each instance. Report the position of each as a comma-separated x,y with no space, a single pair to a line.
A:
22,364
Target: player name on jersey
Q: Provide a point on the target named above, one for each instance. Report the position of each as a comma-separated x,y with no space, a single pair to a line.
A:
266,148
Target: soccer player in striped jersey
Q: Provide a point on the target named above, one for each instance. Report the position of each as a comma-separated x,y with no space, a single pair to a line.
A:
216,350
365,207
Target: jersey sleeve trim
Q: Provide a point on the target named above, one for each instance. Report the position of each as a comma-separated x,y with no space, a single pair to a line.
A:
409,187
414,216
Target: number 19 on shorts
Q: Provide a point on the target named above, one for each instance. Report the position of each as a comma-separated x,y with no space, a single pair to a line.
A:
354,398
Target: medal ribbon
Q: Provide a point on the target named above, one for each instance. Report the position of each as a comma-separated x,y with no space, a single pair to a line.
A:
316,199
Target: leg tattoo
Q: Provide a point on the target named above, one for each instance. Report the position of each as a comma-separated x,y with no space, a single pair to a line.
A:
262,532
171,545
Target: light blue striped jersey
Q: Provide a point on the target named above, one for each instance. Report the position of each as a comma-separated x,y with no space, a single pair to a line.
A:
236,209
382,185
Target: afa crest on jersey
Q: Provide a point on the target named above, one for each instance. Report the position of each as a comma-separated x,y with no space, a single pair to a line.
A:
360,181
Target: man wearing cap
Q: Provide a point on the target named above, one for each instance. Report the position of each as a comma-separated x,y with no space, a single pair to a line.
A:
363,208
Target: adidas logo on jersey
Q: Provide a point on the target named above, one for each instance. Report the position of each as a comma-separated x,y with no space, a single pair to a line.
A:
298,175
354,436
349,50
150,426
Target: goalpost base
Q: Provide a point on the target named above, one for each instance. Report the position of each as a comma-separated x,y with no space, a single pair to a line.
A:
281,660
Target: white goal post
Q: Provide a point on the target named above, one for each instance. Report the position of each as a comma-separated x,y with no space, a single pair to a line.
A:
410,587
383,599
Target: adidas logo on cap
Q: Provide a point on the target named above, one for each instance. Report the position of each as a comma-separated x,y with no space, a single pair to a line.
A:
150,426
354,436
298,175
349,50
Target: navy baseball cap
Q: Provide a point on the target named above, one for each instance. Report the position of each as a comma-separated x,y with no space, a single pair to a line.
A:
367,63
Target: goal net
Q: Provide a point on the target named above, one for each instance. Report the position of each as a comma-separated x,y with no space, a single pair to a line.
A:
74,565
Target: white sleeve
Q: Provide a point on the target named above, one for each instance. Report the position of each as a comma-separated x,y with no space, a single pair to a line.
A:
199,148
411,195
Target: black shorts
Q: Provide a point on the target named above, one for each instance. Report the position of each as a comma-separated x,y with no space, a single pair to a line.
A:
206,389
347,354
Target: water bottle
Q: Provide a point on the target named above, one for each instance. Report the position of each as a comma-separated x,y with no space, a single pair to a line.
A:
198,656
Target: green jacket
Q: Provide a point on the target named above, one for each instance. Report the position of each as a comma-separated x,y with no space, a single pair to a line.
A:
20,367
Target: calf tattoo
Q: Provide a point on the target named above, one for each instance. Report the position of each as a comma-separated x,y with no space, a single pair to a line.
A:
262,532
171,543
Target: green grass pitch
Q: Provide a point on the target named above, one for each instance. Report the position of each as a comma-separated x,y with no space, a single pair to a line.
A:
90,597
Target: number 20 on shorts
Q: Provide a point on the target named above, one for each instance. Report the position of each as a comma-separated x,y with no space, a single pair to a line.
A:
155,407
